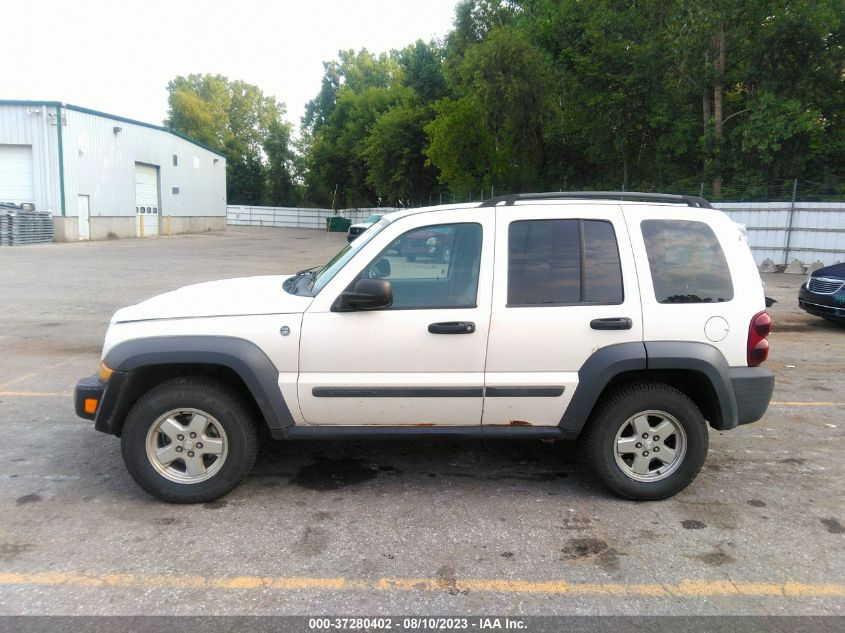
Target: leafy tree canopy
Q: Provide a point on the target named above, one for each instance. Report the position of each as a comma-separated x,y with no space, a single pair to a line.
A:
237,119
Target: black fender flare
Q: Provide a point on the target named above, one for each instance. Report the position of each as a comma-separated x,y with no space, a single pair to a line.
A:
609,362
243,357
706,360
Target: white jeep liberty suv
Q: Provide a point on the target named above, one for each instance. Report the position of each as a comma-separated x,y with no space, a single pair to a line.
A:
631,320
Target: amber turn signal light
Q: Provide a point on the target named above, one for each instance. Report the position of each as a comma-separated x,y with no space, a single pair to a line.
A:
105,372
91,405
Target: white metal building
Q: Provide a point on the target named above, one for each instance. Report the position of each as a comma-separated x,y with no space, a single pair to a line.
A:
104,176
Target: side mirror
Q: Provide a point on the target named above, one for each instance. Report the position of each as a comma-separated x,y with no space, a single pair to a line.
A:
367,294
380,269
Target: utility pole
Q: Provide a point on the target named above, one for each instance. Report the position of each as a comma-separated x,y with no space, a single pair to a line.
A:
790,222
718,94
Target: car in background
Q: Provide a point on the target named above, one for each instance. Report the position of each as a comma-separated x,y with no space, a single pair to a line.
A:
356,229
432,244
823,294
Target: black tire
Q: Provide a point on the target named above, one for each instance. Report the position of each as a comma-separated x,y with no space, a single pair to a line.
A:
207,395
623,404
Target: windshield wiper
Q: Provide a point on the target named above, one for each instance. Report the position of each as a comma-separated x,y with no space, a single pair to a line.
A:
312,271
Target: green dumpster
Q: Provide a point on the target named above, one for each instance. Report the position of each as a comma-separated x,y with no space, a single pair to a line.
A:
337,224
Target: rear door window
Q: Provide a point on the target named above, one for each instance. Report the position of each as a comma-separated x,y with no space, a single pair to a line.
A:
687,262
563,262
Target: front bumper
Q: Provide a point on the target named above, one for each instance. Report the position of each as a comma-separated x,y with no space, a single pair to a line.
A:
106,395
90,389
753,388
827,306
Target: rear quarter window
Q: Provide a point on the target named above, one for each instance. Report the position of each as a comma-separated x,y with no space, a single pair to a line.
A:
687,262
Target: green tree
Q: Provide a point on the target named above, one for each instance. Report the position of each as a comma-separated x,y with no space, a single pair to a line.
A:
237,119
461,146
394,153
282,188
504,80
336,154
743,95
422,69
355,71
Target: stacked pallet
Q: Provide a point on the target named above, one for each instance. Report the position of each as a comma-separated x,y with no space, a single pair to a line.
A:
23,226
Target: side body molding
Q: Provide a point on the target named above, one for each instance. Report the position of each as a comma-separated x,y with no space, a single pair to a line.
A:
243,357
611,361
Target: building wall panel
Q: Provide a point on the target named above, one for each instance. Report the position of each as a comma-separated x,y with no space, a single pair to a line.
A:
100,161
35,125
99,156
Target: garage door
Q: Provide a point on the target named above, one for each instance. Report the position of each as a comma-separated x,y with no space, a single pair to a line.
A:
146,200
16,174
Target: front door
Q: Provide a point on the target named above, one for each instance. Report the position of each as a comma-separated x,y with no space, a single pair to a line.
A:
84,222
419,362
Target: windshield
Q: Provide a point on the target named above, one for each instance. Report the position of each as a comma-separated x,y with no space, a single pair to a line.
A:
372,219
327,272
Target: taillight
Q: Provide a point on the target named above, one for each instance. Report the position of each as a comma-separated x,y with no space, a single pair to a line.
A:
758,346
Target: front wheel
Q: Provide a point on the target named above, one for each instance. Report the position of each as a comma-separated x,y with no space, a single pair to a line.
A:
647,441
189,440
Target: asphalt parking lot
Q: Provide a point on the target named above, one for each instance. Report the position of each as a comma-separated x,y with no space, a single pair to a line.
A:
389,527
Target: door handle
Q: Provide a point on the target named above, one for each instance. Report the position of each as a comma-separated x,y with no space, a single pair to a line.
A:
618,323
452,327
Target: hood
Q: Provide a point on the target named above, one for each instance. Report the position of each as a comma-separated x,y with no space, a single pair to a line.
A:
229,297
836,270
361,225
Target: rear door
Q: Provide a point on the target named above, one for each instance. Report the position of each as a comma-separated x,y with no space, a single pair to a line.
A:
566,286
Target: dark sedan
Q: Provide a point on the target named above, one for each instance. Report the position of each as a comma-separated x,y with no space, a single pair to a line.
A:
823,294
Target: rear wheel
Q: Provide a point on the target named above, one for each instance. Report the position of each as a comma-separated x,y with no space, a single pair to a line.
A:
647,441
189,440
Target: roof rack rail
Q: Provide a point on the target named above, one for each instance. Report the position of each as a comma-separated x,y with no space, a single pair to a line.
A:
690,201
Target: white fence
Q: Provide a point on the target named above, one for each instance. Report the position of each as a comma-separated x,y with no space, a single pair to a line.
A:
810,231
293,217
815,230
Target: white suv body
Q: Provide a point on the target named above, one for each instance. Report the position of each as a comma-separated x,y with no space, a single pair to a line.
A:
540,316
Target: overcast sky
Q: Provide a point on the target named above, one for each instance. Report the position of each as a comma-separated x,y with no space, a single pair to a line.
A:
106,56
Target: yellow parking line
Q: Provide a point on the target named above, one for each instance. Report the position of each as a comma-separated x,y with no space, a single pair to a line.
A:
9,383
34,394
682,589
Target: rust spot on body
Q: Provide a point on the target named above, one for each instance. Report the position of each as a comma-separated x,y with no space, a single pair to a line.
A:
520,423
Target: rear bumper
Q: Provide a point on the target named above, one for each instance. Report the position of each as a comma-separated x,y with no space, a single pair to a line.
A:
753,388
